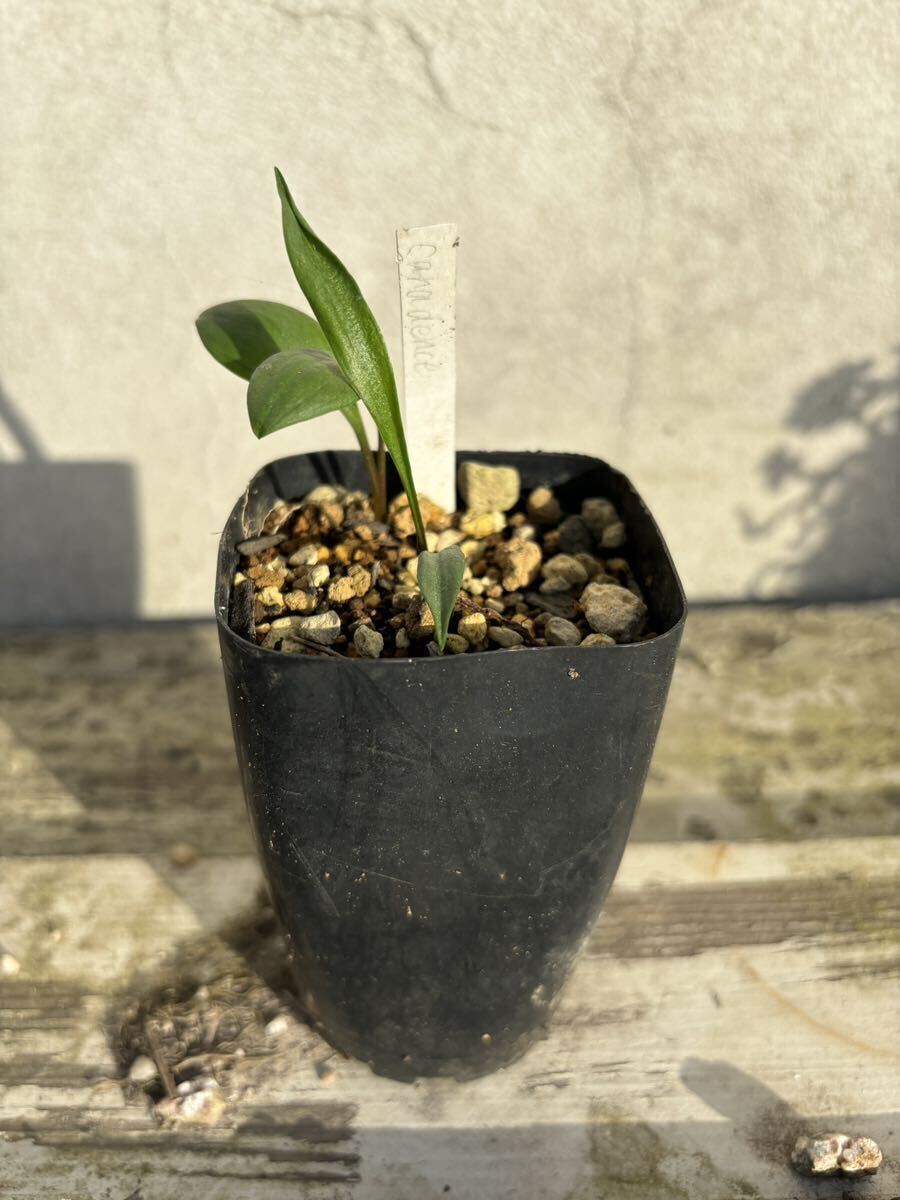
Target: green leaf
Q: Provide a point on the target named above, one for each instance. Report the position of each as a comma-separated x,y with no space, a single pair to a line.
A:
353,334
440,576
294,386
244,333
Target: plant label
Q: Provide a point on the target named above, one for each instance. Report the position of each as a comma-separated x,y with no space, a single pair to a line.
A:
426,260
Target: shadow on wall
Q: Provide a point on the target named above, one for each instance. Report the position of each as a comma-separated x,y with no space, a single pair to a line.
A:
836,513
68,535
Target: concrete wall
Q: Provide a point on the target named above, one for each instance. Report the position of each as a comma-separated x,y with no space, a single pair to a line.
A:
676,252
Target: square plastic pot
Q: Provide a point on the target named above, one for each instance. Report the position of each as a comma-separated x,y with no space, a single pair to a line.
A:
439,834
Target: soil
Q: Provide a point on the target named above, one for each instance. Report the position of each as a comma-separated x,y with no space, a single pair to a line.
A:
323,568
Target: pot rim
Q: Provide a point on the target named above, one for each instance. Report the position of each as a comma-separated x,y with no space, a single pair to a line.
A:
245,646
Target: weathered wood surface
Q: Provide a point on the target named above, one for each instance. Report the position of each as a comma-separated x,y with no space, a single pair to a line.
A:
733,994
781,724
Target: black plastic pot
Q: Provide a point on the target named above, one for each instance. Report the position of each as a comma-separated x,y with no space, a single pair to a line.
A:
439,834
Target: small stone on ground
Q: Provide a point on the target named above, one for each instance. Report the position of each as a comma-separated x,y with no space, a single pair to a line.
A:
836,1154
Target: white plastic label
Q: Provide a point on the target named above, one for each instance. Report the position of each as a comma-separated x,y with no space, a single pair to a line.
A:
426,260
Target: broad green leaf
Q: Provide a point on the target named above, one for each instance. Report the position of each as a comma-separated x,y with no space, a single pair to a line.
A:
353,334
244,333
294,386
440,576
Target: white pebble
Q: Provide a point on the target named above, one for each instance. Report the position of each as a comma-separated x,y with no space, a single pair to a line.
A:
278,1026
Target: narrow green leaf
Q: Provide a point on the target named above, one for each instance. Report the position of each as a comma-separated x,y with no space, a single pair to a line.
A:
244,333
294,386
440,576
353,334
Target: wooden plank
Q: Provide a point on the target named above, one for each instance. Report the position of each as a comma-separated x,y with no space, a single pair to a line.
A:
780,725
732,996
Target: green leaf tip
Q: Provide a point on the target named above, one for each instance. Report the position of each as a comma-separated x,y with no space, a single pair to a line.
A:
440,577
353,335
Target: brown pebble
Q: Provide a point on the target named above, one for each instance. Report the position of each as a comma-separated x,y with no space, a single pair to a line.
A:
543,507
182,855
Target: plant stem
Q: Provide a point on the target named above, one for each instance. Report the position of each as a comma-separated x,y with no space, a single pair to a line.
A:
382,476
379,502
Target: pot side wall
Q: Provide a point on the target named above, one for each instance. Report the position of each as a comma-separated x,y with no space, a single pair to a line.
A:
440,834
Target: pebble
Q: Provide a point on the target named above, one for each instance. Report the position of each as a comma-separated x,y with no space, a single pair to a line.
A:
323,628
593,566
300,601
411,571
419,621
526,533
554,584
862,1157
613,536
543,507
281,624
306,556
482,525
402,524
270,575
403,598
519,560
558,605
487,489
201,1107
504,637
473,627
368,642
142,1070
566,567
316,575
836,1154
598,639
182,855
326,1073
401,641
325,493
472,548
560,632
450,537
598,514
456,643
613,610
278,1026
270,597
574,537
258,544
356,582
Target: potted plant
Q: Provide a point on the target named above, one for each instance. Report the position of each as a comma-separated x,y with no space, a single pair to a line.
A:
443,720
